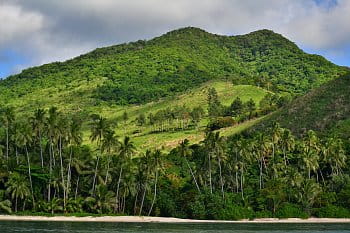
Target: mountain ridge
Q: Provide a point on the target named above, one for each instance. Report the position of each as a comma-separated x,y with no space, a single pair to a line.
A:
144,71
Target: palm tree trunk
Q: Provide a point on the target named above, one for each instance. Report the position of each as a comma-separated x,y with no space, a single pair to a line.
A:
143,199
221,180
260,175
155,193
108,164
17,159
7,142
194,178
209,163
69,173
76,188
135,202
237,185
50,173
95,176
117,193
41,150
62,176
242,192
16,202
30,177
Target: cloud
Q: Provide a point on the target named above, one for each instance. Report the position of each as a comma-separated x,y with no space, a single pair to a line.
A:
46,31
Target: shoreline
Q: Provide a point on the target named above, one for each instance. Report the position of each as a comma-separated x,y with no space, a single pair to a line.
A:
137,219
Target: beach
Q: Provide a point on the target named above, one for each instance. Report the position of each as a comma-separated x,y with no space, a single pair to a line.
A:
142,219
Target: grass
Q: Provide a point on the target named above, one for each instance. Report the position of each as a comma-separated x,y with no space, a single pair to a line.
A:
77,97
325,110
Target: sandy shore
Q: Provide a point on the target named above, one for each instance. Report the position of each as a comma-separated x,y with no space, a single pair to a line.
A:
165,220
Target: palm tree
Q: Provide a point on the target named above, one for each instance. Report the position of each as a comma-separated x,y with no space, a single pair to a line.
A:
17,187
156,164
62,135
25,139
261,150
110,143
208,144
7,117
74,138
335,155
38,123
126,150
184,151
52,132
99,128
288,144
143,172
218,148
310,152
308,193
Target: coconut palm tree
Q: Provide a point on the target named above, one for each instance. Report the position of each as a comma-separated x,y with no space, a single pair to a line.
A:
126,151
156,164
99,128
25,139
17,187
52,132
75,138
38,121
184,150
109,145
218,143
335,155
310,152
7,118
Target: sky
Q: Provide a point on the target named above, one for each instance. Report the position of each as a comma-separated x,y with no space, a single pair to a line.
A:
35,32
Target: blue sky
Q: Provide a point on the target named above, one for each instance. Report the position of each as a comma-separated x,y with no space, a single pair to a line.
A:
35,32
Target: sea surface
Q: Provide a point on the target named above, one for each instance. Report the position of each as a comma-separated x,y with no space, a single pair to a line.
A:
97,227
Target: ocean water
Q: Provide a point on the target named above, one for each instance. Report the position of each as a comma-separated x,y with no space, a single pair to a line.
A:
97,227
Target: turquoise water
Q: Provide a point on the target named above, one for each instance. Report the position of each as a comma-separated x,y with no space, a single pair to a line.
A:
40,227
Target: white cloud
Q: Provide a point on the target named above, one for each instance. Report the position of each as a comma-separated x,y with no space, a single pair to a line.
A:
54,30
18,24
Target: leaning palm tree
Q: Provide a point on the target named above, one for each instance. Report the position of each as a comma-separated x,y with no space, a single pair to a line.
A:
184,150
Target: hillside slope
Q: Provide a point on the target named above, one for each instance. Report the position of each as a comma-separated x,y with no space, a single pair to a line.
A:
145,71
325,110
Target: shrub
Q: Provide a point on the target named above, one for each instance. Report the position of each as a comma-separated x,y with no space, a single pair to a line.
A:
332,211
289,210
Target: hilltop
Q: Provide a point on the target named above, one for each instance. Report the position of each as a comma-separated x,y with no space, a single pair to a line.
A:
145,71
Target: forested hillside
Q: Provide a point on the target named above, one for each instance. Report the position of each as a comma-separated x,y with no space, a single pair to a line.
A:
151,128
144,71
325,109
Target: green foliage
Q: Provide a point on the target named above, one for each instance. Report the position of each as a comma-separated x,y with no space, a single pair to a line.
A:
325,110
332,211
289,210
180,60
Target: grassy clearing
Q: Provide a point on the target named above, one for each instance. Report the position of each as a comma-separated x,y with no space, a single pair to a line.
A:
77,97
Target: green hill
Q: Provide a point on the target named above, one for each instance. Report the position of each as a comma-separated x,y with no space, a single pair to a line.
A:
175,69
325,110
145,71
